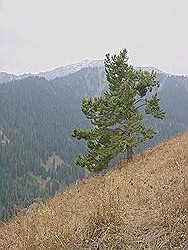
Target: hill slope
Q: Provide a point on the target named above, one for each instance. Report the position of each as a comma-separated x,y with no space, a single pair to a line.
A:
140,205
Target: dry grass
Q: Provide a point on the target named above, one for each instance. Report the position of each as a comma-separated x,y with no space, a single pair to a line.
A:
140,205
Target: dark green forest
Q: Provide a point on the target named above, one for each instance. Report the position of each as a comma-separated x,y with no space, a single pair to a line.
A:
36,120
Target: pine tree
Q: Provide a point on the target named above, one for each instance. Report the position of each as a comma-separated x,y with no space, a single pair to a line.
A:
117,116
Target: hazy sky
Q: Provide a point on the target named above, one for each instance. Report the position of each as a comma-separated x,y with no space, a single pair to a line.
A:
38,35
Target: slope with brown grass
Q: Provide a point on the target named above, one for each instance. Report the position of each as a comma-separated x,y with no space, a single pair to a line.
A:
140,205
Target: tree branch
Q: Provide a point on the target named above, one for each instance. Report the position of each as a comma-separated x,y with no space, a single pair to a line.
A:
138,101
141,105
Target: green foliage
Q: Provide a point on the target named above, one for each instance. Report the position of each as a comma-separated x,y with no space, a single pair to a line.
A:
117,116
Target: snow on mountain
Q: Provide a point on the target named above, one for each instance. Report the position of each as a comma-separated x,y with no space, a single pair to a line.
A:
5,77
150,69
68,69
57,72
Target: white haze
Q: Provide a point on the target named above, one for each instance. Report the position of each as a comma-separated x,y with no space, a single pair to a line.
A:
38,35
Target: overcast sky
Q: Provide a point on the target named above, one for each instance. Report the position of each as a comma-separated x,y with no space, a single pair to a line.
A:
38,35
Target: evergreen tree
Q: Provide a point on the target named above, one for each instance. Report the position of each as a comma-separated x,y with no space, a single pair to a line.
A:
117,117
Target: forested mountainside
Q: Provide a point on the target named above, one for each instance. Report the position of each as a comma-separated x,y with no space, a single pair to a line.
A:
36,120
37,151
173,92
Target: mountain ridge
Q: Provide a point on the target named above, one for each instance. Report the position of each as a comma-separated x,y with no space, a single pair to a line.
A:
68,69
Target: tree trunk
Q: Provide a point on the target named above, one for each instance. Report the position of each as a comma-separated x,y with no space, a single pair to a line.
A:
129,153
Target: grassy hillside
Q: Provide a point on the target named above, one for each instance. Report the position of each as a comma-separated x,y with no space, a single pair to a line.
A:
140,205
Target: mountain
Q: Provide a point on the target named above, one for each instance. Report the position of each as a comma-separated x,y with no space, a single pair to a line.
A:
57,72
5,77
66,70
140,205
150,69
37,116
